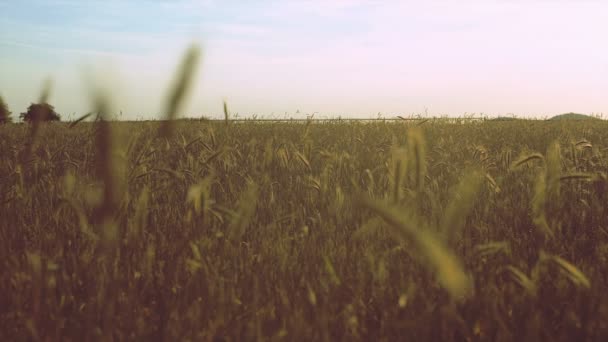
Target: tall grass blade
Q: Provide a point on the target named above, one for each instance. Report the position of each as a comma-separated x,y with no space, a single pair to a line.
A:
46,91
539,202
492,248
416,156
461,203
245,213
554,170
82,118
567,269
446,264
521,279
525,159
331,271
183,83
579,176
226,113
398,164
109,169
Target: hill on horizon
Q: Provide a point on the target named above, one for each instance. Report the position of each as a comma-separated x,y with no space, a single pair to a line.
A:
573,116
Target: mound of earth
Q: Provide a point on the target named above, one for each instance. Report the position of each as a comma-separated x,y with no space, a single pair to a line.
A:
573,116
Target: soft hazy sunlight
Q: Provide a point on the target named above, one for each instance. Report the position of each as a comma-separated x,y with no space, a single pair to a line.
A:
352,58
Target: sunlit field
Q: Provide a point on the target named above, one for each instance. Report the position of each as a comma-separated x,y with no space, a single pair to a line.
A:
383,230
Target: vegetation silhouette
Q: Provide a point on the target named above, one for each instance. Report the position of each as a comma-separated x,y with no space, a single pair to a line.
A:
5,113
573,116
40,112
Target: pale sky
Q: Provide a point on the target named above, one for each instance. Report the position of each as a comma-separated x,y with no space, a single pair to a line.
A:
353,58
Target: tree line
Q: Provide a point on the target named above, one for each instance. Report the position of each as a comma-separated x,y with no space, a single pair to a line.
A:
35,112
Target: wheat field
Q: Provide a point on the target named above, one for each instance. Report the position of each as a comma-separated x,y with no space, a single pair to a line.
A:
213,230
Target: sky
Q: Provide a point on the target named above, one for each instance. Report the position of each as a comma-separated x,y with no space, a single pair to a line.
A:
348,58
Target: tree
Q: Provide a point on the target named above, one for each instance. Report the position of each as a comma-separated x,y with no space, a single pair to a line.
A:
5,114
40,112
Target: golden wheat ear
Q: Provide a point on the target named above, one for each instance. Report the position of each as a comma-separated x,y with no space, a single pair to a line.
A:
404,227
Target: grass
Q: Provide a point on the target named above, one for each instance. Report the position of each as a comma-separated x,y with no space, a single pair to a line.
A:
318,231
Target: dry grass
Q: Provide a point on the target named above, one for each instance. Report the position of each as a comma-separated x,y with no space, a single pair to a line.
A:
274,231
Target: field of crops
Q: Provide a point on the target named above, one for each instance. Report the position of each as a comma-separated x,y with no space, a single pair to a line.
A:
304,231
